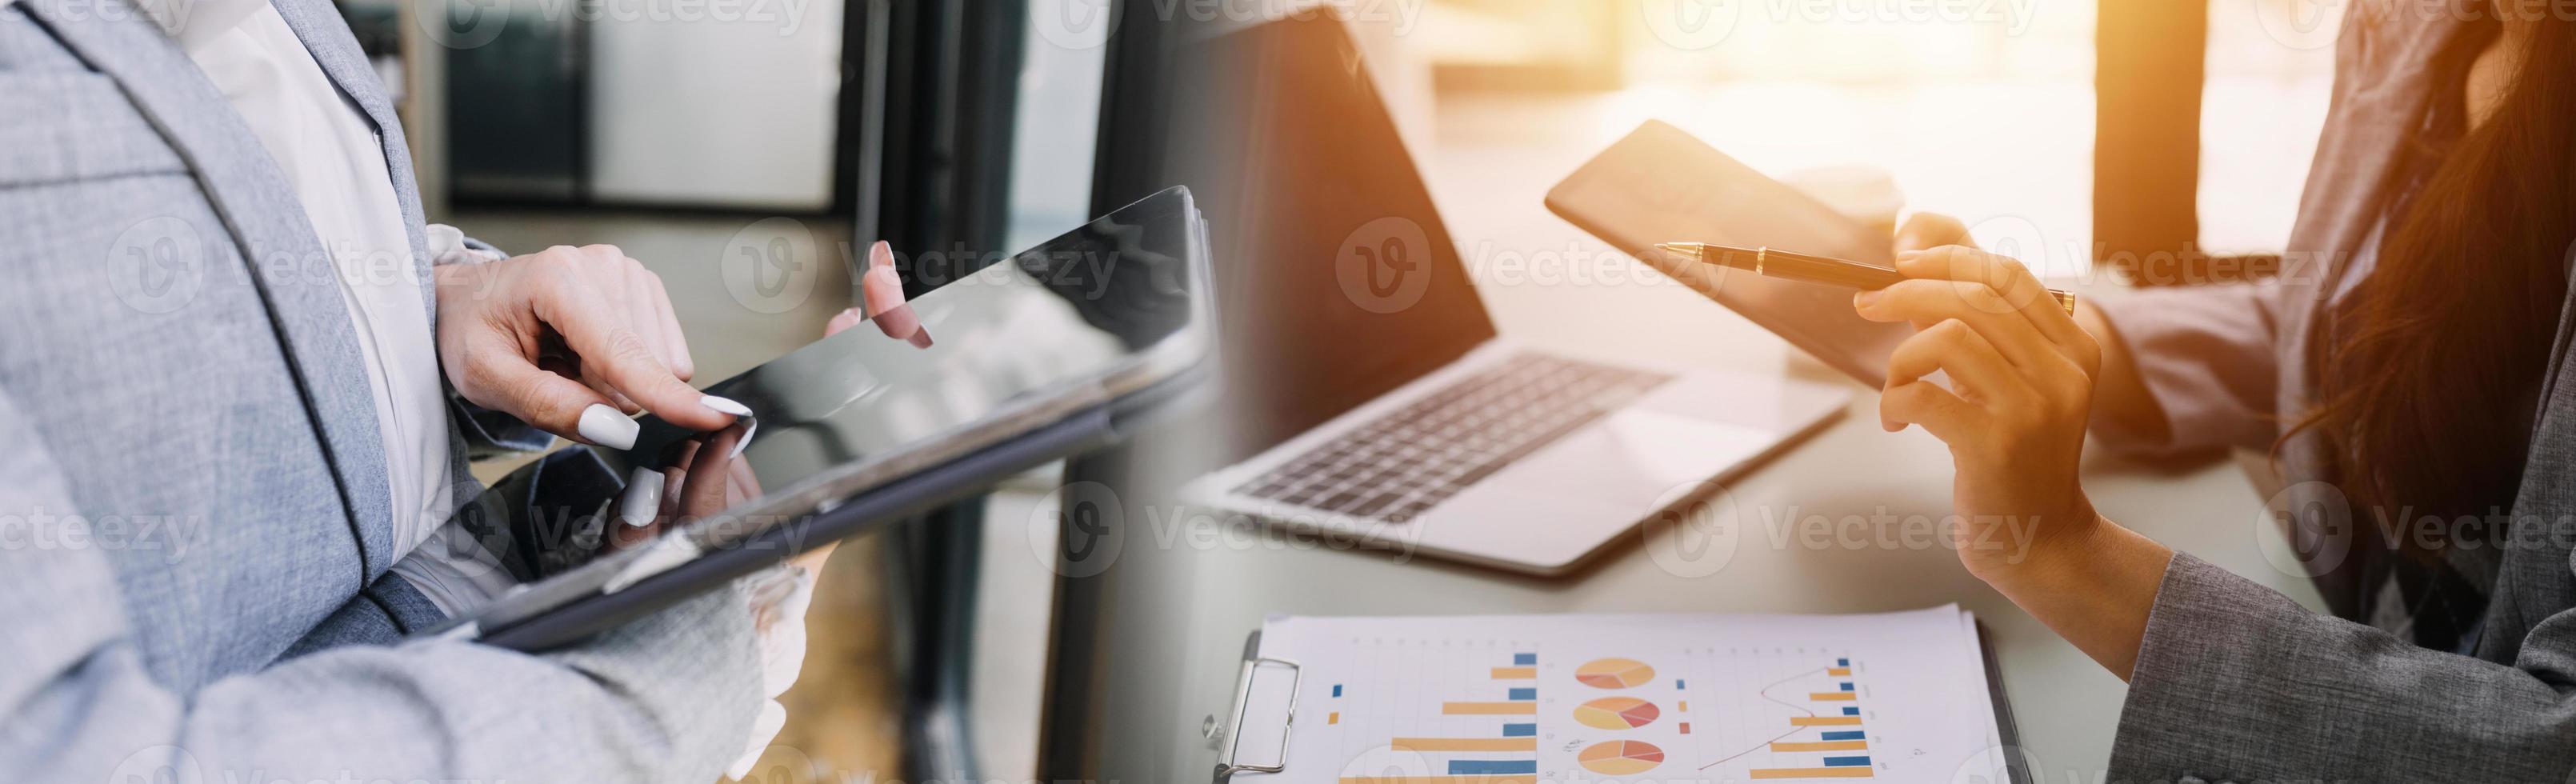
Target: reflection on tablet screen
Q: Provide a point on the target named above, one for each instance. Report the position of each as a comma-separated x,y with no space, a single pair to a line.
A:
1018,339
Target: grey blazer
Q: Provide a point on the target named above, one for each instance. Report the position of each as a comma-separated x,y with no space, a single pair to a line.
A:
193,509
2235,682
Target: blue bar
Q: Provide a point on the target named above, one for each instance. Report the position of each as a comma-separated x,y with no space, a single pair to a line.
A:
1524,659
1842,662
1851,711
1846,762
1505,767
1850,735
1520,730
1524,694
1846,685
1337,690
1677,683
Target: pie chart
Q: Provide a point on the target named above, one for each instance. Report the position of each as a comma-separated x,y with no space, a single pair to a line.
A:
1621,757
1614,673
1617,713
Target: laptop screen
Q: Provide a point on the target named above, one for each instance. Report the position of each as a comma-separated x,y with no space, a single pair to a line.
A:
1336,280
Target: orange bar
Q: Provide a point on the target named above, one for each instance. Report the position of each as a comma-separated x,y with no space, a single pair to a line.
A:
1854,772
1524,779
1821,745
1838,672
1685,706
1524,708
1832,696
1824,721
1464,744
1515,673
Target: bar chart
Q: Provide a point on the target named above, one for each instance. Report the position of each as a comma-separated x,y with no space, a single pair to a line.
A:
1486,703
1821,733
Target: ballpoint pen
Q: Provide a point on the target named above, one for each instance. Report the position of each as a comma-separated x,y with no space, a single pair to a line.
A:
1802,267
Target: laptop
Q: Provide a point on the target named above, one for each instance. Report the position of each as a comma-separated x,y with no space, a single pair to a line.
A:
1368,394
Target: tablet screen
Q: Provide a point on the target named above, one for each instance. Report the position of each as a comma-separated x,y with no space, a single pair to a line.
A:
1000,350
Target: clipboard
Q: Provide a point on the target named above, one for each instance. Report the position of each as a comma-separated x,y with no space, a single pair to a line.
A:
1260,672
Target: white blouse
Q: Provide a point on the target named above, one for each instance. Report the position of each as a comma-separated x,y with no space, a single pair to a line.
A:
333,157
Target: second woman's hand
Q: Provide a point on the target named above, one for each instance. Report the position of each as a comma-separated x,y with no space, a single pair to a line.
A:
2020,392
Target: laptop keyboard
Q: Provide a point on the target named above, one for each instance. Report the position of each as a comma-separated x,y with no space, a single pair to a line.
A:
1395,467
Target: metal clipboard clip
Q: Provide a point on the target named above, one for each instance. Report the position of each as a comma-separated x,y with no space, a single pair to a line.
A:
1227,765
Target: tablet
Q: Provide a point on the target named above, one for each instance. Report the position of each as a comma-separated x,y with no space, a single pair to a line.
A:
1025,360
1660,184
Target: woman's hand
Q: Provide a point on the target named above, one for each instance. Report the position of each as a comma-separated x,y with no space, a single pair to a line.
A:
881,295
2120,396
571,340
2020,390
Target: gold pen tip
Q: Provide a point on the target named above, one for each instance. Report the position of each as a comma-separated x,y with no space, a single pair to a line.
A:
1677,247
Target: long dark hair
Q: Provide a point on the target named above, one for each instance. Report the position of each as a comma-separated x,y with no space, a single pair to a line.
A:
2449,336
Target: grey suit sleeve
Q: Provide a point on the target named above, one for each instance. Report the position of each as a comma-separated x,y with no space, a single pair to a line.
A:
2208,356
2238,683
667,698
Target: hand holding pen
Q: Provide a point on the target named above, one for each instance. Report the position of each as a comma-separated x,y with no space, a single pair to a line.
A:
2021,384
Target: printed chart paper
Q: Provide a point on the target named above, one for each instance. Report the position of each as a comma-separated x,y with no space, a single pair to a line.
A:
1635,698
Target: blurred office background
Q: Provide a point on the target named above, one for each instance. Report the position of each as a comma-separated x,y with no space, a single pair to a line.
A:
748,149
1987,110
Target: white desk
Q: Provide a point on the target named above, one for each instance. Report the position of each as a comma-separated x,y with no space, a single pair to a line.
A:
1180,607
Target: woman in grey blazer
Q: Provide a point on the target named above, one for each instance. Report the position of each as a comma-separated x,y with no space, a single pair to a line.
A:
201,547
2409,373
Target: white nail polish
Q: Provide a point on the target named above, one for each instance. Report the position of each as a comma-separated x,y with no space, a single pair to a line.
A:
724,406
643,498
608,427
744,442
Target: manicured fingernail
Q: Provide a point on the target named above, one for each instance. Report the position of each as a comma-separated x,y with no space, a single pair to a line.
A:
606,426
724,406
1909,255
885,276
1864,299
643,498
744,442
880,256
